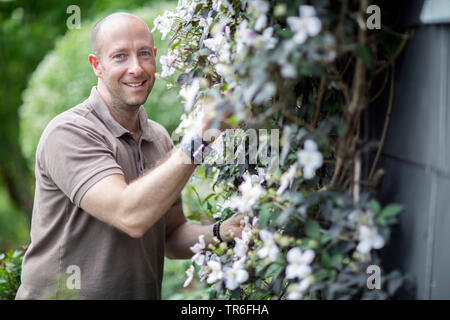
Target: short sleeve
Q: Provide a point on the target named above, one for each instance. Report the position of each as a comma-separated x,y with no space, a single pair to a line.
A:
75,157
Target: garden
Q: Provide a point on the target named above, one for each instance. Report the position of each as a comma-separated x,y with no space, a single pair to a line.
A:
296,78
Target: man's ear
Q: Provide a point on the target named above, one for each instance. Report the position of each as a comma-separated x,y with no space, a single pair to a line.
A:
95,64
155,50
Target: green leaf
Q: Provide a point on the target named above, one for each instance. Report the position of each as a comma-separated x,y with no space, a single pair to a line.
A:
264,214
391,210
320,275
312,229
326,260
375,207
336,261
363,53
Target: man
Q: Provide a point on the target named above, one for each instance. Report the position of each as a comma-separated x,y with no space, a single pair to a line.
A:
108,181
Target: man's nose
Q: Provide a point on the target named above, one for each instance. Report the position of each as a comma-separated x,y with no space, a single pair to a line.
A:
134,67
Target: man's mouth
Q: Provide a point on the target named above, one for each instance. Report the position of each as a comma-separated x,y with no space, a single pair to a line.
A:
135,84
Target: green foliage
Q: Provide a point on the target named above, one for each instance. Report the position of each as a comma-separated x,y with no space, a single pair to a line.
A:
10,268
14,226
64,79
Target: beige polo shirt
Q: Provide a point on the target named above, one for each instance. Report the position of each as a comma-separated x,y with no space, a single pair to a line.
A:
73,254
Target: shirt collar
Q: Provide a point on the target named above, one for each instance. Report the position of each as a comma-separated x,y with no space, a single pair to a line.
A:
102,111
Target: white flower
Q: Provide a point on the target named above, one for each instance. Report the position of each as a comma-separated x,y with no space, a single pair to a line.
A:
287,178
223,70
296,290
310,159
189,93
245,38
164,23
236,275
299,263
260,7
168,63
261,22
215,42
266,40
216,271
250,190
357,216
241,246
269,249
369,239
190,276
305,25
216,4
199,257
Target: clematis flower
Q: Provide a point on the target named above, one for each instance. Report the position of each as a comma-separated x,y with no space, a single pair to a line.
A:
307,25
260,7
360,217
190,276
269,249
369,239
168,63
251,191
216,271
310,159
287,178
164,23
199,257
240,248
299,263
215,42
236,275
296,290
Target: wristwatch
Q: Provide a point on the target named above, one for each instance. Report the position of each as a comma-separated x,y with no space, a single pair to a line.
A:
216,230
193,147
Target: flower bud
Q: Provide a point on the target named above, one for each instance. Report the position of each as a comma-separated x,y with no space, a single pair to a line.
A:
313,244
284,242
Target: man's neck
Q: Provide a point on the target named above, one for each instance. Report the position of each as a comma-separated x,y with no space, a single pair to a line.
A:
126,116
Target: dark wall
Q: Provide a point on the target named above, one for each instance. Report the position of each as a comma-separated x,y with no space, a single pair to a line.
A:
416,156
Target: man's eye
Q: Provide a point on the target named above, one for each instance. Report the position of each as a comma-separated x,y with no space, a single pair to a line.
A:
119,56
145,53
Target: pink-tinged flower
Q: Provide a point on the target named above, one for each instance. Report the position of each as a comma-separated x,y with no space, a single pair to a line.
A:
168,63
190,276
197,249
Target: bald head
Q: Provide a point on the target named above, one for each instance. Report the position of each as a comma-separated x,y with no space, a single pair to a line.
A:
97,34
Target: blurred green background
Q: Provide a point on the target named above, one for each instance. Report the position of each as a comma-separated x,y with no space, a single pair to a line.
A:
44,70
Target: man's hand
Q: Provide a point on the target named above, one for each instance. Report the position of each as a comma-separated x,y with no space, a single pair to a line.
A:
232,227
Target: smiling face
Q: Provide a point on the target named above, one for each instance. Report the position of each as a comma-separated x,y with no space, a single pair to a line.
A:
124,62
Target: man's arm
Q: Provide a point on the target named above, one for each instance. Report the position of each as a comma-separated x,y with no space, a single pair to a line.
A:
134,208
181,235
